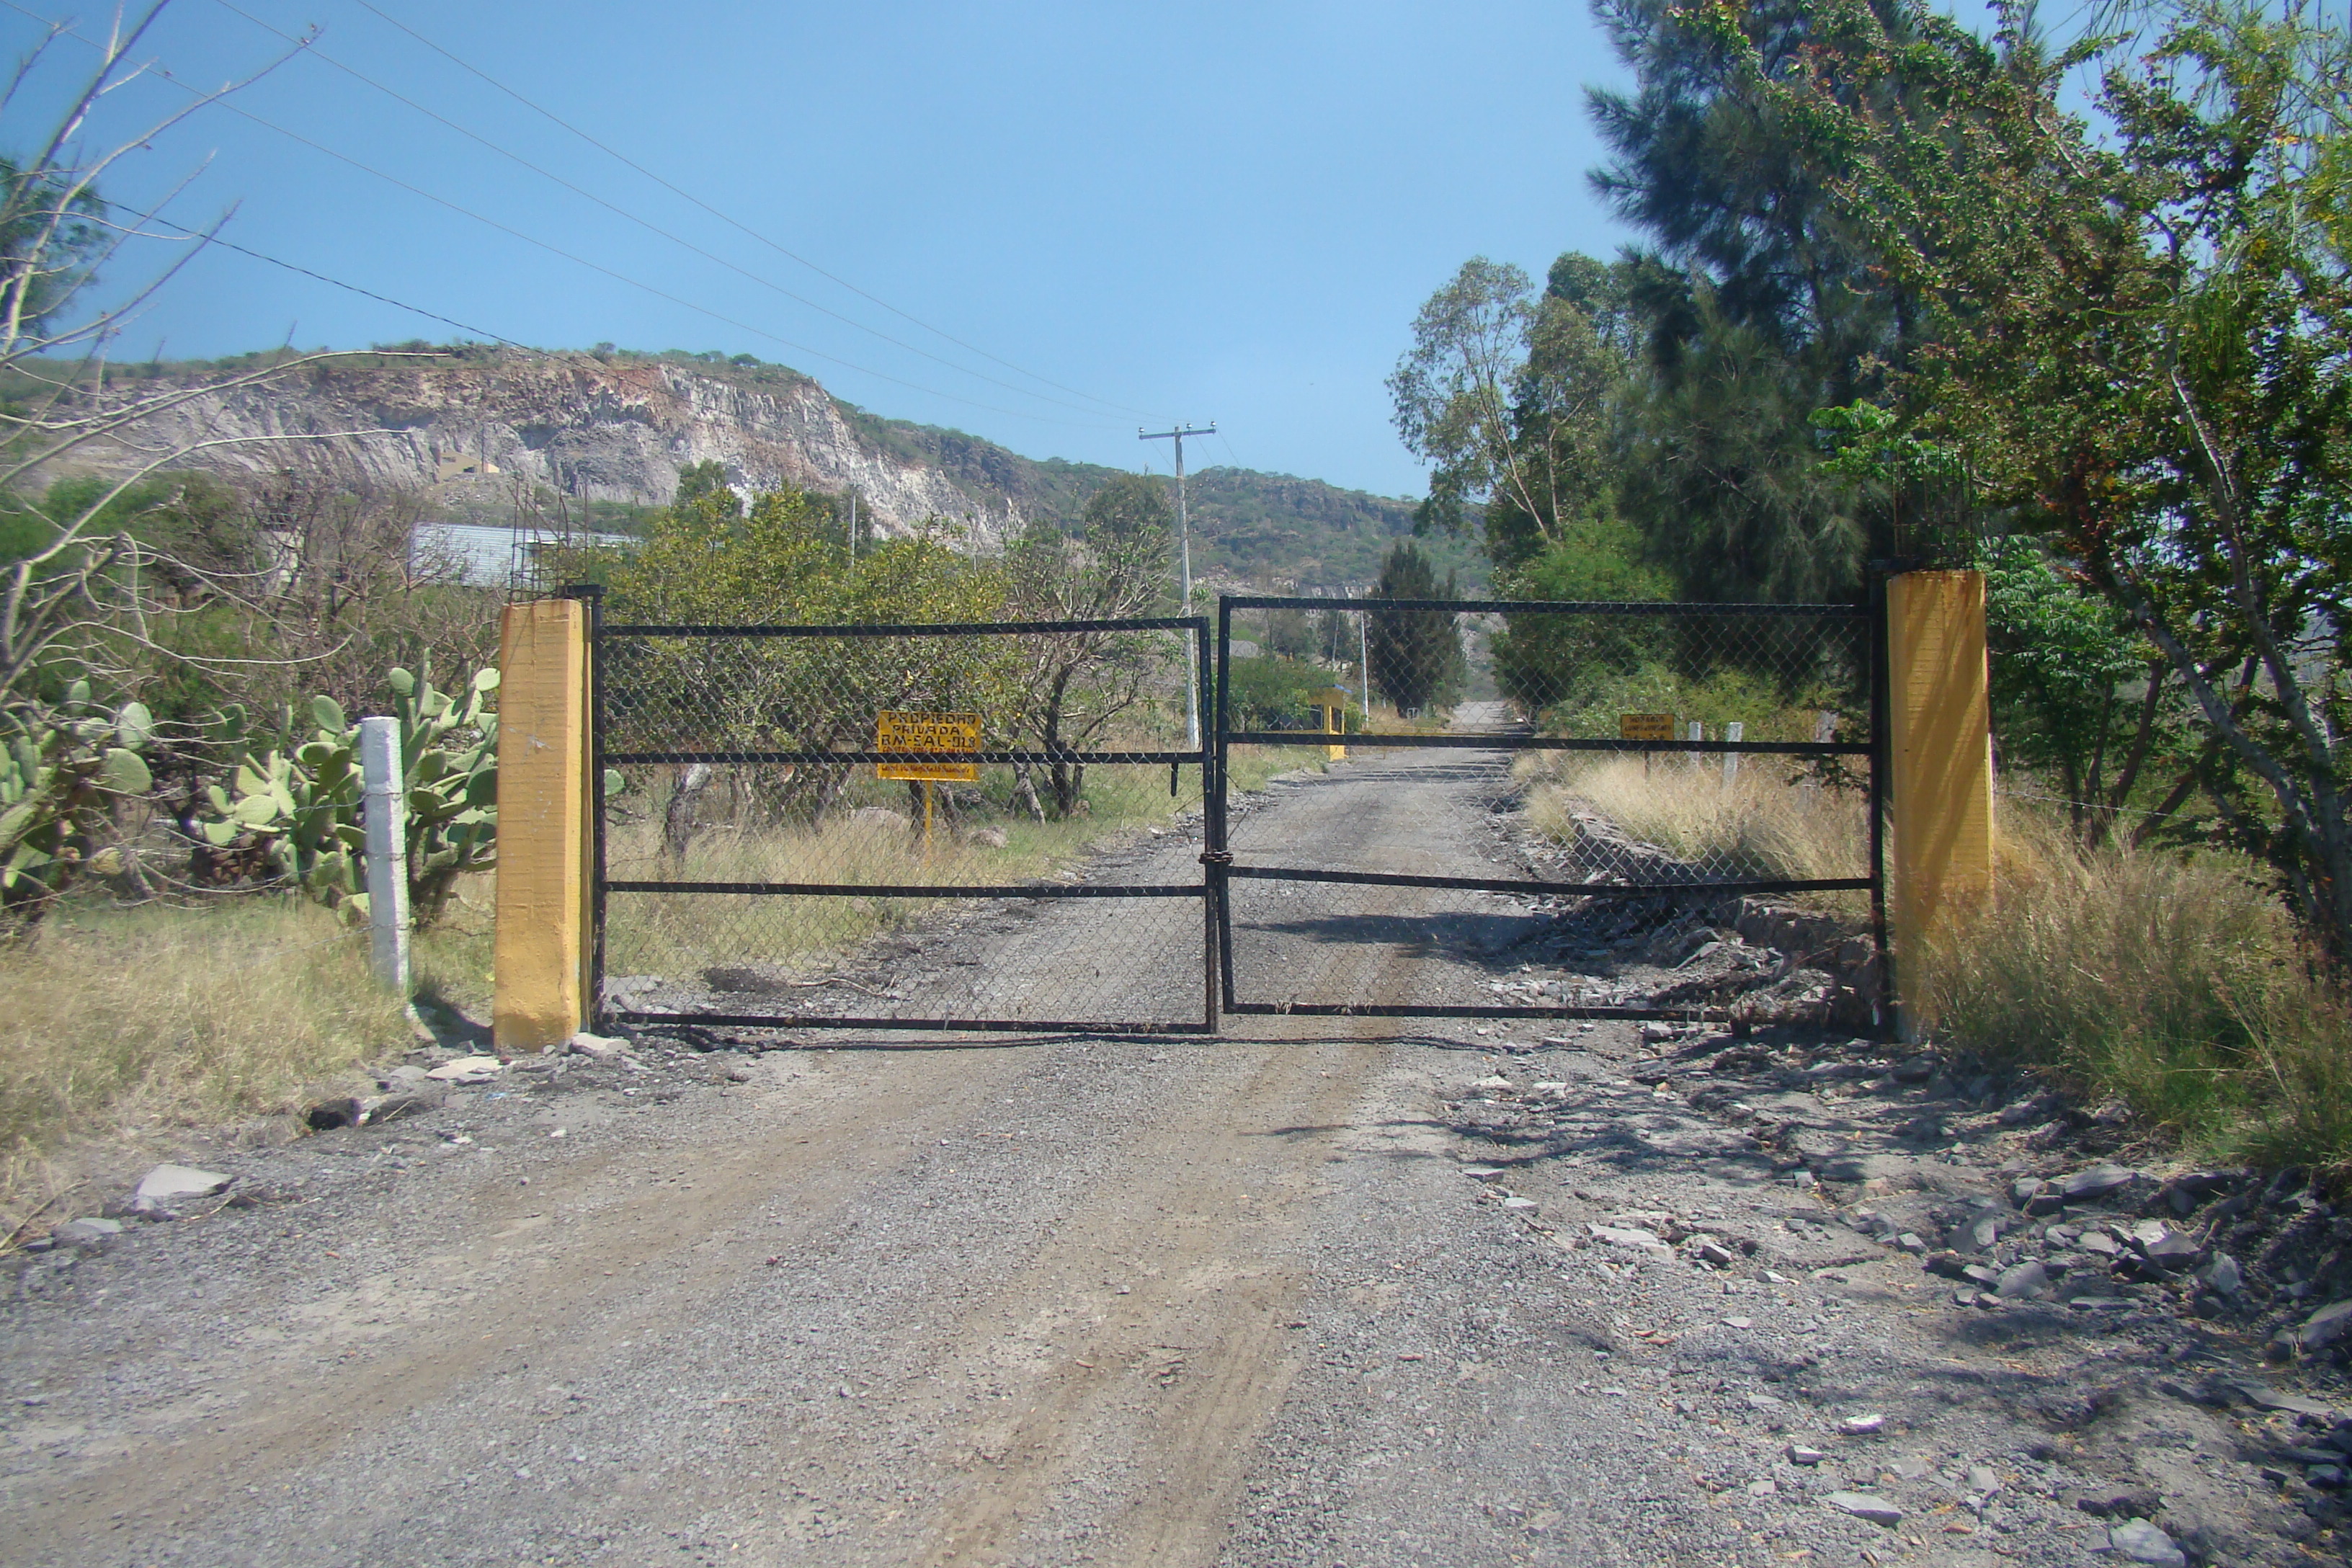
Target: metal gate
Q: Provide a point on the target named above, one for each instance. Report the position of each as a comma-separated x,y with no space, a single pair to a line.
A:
1556,810
756,869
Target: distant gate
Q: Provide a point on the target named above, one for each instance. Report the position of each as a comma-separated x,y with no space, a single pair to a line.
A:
1533,774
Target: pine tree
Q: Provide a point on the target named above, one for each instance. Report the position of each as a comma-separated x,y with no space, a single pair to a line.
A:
1416,654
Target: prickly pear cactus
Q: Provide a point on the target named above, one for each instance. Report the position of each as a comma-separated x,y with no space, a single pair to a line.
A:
297,806
62,770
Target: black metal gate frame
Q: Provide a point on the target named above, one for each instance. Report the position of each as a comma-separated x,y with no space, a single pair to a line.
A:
605,886
1223,868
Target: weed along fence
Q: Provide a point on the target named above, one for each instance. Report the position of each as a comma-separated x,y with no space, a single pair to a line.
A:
733,826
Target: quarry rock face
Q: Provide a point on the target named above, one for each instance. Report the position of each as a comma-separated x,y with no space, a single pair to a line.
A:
595,429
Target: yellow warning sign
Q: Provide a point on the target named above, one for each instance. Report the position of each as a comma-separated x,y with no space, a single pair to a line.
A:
1645,726
900,732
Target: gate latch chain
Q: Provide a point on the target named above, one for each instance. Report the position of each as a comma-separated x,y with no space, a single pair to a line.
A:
1216,857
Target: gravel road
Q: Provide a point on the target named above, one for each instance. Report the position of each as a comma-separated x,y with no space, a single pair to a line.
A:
1249,1301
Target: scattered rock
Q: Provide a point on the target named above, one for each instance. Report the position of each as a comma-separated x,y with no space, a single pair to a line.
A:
598,1047
2262,1396
2023,1281
1715,1254
1863,1505
165,1184
1982,1481
1801,1455
991,837
1484,1173
2222,1276
2325,1326
1642,1241
88,1232
2090,1185
2025,1189
1862,1425
2137,1540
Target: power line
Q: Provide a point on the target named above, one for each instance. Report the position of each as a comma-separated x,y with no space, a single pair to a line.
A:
322,277
732,223
310,48
658,293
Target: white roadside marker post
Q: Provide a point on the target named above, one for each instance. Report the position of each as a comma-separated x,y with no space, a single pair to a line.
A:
1732,731
387,819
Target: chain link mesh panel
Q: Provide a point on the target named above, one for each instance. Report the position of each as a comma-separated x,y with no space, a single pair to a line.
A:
762,867
1526,785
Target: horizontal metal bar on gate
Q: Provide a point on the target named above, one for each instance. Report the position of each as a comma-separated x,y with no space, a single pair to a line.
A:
1510,742
1547,608
917,629
1379,1010
976,1025
1076,759
1577,890
903,890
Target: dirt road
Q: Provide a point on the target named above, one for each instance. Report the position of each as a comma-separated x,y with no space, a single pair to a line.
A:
1051,1302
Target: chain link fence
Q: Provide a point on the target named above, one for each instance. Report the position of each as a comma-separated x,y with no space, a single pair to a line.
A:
783,808
1569,792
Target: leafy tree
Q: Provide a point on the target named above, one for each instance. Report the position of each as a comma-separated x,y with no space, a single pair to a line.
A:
1416,654
1075,687
1540,660
2139,341
710,559
1508,395
1761,302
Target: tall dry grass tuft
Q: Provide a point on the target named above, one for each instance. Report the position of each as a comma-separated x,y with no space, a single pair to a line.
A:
1757,825
121,1019
2180,985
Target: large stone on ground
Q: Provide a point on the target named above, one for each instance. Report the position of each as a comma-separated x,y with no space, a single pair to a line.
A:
2137,1540
1864,1505
2328,1325
2092,1184
166,1182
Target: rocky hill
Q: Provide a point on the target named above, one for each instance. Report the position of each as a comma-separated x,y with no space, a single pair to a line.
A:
482,431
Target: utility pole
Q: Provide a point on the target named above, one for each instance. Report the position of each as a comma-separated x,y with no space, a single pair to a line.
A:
1184,546
853,525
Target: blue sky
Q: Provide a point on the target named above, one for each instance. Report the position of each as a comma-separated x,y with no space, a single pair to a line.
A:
1223,212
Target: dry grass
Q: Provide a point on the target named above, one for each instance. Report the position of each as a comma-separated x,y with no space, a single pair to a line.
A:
673,934
2180,985
122,1020
1757,825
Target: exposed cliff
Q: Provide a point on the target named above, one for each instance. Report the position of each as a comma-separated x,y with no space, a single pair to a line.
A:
470,427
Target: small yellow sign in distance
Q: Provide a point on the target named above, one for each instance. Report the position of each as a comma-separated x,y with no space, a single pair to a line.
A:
1330,697
1645,726
895,731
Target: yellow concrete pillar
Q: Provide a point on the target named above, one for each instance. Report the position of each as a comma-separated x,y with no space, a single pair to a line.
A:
545,849
1939,826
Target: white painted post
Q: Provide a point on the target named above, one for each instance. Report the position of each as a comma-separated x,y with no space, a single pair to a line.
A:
1732,731
1697,732
387,819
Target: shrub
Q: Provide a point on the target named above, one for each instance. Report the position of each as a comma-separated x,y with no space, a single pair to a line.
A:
2177,984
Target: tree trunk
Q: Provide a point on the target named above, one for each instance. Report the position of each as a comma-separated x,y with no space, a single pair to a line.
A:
678,821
